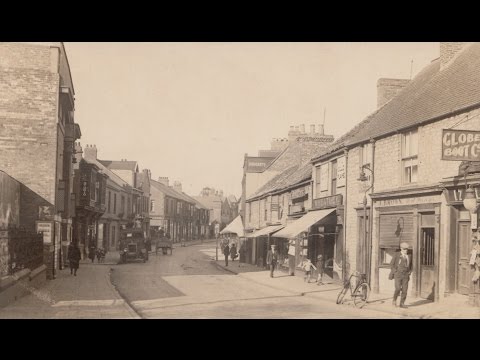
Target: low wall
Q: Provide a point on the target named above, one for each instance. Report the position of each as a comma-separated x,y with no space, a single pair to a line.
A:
24,282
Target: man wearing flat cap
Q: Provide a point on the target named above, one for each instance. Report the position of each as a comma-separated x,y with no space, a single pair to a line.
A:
401,267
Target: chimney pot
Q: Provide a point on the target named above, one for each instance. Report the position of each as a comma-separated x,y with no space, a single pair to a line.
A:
312,129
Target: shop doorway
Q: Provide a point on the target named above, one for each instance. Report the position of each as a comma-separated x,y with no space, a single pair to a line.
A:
427,263
463,236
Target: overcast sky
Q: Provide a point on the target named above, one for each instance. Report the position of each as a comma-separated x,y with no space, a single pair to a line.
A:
190,111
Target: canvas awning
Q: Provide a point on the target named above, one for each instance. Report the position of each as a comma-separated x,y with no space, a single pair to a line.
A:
235,227
302,224
265,231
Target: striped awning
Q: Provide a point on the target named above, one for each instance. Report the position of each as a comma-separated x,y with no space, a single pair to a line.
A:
302,224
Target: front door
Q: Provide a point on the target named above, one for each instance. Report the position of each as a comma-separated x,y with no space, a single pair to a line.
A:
427,263
464,241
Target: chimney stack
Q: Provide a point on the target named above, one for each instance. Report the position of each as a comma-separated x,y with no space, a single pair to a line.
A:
302,128
78,152
312,129
387,89
163,180
449,50
90,152
177,186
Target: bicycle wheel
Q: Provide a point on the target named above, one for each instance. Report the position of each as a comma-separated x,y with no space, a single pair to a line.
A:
361,294
341,295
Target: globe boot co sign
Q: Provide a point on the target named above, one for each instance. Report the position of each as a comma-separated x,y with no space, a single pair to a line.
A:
461,145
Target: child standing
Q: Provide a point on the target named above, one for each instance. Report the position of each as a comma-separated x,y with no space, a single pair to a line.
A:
307,265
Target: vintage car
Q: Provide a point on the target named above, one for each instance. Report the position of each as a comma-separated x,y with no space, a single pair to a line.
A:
133,245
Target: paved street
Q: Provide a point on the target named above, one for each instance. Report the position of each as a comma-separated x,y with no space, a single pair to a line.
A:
190,284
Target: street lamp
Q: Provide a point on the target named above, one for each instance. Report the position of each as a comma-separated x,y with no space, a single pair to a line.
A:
363,177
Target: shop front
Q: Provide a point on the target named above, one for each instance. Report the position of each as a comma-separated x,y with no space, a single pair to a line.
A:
263,239
414,218
313,234
463,236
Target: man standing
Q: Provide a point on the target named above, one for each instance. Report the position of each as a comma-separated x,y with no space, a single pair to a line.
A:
272,258
226,252
401,266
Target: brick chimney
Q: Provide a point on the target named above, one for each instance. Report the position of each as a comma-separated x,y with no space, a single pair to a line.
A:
177,186
387,89
90,152
312,129
147,173
449,50
163,180
302,128
321,130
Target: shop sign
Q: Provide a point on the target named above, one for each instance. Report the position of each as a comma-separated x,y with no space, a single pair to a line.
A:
408,201
298,193
328,202
45,227
460,145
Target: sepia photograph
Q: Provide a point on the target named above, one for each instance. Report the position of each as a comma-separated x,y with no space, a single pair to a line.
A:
239,180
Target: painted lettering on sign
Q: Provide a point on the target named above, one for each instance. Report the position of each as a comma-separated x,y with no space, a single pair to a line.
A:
408,201
460,145
328,202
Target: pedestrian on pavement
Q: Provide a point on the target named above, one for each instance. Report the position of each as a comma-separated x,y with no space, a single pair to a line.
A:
272,258
291,257
233,252
226,252
401,267
73,258
320,269
242,251
92,253
307,265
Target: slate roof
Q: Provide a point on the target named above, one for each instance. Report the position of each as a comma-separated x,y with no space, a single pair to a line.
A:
120,165
114,177
431,95
167,190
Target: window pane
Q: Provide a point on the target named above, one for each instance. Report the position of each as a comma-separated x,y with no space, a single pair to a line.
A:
414,173
406,147
407,174
386,256
414,143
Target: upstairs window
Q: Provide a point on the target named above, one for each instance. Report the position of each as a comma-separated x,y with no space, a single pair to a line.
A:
334,177
409,157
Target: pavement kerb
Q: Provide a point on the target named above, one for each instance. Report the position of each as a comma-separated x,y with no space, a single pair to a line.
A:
128,306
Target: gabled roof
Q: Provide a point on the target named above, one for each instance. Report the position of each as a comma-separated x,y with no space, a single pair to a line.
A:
433,94
232,198
120,165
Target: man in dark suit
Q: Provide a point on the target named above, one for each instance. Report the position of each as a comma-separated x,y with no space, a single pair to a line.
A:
272,258
401,266
226,252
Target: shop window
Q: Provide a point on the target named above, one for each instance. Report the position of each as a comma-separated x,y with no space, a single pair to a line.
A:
386,255
410,156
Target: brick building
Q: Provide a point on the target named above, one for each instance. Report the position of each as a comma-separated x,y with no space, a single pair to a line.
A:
285,194
37,130
401,182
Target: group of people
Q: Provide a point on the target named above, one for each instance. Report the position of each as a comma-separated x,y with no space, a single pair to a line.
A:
273,257
99,253
231,251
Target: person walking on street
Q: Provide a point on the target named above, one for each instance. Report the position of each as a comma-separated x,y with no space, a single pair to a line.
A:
401,268
92,253
272,258
320,267
226,252
74,258
233,252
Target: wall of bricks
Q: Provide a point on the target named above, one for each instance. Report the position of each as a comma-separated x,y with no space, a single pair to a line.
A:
28,116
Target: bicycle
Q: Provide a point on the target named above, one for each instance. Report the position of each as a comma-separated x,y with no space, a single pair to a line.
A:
359,293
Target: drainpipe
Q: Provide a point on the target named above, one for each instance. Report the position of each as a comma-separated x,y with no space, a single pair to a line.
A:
344,260
372,141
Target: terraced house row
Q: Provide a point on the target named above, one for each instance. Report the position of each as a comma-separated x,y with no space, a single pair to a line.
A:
409,172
